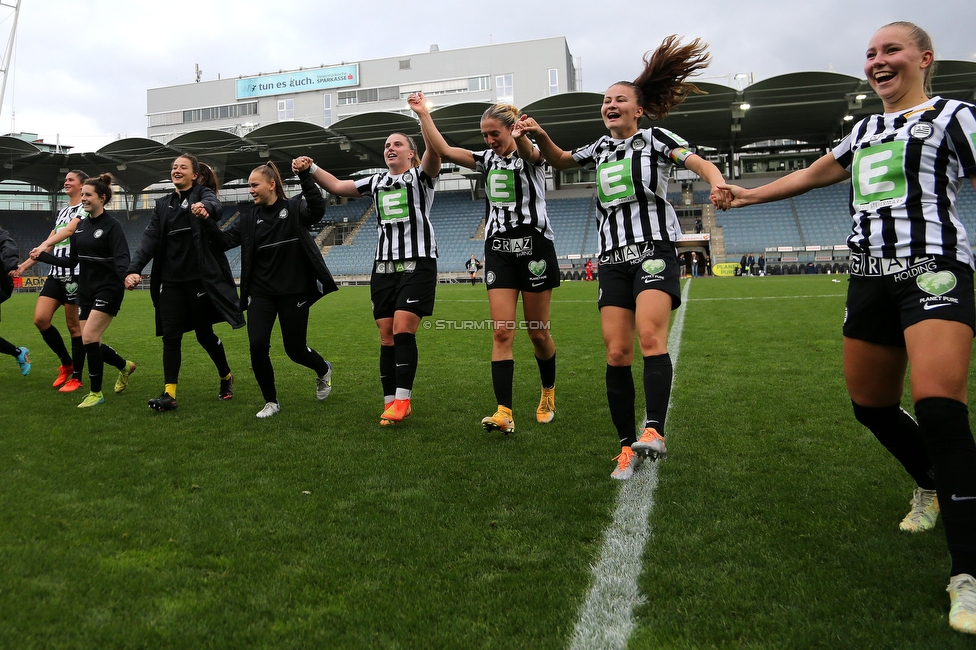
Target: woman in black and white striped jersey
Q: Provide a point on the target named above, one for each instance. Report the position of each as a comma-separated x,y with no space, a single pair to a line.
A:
520,256
639,284
910,298
404,275
61,288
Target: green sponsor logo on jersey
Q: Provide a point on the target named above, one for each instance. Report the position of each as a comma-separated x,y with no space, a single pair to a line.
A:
393,205
537,267
653,267
614,182
936,284
879,175
500,186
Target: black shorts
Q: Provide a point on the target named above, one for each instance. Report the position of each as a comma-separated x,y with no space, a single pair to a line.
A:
405,285
64,290
108,302
887,296
521,259
627,271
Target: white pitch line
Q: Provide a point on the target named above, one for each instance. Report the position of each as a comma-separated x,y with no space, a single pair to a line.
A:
606,619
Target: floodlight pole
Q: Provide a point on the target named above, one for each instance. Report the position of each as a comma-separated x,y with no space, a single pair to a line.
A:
10,48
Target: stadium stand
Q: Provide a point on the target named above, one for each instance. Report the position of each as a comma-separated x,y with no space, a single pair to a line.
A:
820,217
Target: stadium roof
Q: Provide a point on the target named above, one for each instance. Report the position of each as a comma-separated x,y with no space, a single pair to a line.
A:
806,106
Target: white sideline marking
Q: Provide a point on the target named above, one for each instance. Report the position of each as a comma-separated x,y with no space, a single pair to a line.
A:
606,619
823,295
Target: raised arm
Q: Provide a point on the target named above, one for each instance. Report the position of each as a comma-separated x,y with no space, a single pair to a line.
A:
825,171
433,137
556,157
526,148
431,160
311,202
325,180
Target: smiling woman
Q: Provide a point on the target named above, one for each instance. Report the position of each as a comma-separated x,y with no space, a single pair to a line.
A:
910,298
639,285
99,249
404,276
200,289
520,256
282,273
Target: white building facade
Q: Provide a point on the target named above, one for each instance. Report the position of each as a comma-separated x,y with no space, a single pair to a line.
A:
516,73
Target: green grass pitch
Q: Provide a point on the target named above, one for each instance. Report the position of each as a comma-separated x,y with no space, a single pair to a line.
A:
774,525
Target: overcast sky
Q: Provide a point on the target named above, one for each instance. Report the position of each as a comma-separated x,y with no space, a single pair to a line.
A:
81,70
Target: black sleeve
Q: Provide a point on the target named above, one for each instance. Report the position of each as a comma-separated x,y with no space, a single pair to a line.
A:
149,244
120,250
222,240
63,262
211,203
9,254
311,208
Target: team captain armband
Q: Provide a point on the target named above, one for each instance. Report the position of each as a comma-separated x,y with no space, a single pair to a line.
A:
680,154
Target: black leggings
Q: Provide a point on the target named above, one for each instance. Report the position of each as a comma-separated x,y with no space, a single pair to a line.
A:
292,313
183,304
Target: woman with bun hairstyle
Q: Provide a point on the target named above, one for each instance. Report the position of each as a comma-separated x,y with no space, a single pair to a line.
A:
520,257
637,228
403,279
282,272
99,248
910,300
191,284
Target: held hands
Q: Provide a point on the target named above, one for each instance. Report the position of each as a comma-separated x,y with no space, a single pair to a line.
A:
133,279
301,163
738,196
417,103
721,197
524,126
35,253
199,210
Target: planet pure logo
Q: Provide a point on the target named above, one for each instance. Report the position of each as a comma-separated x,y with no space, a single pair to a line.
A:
653,267
936,284
537,267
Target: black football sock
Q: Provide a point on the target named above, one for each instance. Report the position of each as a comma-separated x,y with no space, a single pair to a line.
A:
945,429
547,371
54,341
502,378
621,396
658,371
902,437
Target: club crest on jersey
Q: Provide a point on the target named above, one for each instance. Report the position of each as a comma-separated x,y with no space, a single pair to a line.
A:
638,143
283,214
921,130
407,177
97,233
490,277
185,204
519,164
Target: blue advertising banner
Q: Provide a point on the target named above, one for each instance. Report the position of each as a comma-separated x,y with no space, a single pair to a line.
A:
298,82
